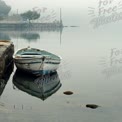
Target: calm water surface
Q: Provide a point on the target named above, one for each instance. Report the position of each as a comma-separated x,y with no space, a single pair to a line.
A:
91,68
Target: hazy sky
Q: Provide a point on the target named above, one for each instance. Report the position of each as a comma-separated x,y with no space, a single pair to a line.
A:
71,9
26,4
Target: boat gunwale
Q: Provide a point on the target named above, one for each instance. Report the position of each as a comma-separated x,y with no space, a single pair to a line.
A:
58,57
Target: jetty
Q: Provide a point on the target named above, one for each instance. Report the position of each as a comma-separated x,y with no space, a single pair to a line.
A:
29,26
6,56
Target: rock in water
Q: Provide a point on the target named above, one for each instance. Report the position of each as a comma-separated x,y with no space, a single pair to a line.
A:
92,106
68,92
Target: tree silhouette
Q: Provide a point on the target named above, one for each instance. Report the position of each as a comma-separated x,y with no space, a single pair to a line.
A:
30,15
4,9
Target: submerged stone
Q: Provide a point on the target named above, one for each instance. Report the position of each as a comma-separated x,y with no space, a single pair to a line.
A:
92,106
68,92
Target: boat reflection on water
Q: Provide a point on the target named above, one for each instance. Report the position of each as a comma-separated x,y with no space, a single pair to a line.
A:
41,86
5,76
30,36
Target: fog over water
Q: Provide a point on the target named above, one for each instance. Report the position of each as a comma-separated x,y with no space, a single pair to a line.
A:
91,64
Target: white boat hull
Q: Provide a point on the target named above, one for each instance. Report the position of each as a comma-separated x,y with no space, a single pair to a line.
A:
35,60
36,65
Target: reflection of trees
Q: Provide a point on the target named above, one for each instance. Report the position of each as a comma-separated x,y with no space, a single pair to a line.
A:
30,36
4,36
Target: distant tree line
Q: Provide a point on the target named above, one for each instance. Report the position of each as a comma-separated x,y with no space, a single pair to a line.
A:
4,9
30,15
26,16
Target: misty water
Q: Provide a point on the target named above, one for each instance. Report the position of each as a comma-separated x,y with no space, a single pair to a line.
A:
90,68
